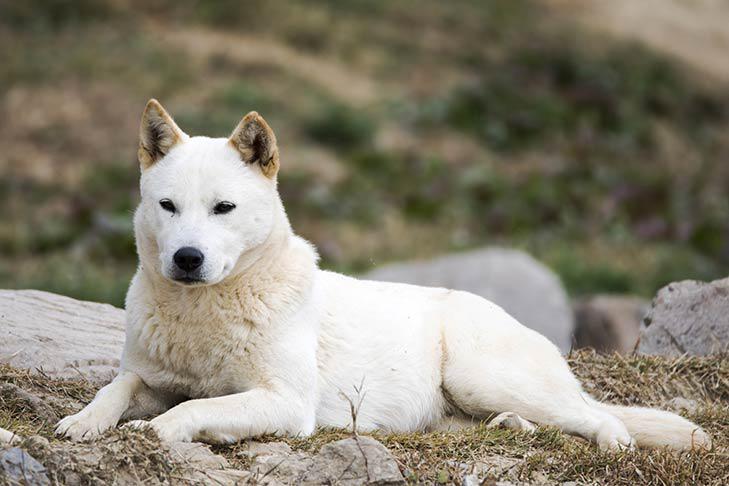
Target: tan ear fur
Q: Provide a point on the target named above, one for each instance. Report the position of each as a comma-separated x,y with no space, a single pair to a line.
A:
256,143
158,133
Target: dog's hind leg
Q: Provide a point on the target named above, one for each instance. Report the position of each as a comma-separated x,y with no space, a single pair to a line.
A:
501,366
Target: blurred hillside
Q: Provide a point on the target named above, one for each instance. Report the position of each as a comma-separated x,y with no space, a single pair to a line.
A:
406,129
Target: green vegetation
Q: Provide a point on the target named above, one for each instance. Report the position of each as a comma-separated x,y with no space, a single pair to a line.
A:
558,91
503,125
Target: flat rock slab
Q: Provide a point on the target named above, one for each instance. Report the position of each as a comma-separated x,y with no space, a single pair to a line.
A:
688,317
512,279
62,336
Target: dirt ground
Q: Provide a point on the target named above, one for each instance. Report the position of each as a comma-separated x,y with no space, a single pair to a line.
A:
698,388
693,31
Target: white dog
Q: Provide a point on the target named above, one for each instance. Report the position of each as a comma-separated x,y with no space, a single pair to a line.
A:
233,331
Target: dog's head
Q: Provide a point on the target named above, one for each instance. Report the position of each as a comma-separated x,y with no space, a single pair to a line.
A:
206,202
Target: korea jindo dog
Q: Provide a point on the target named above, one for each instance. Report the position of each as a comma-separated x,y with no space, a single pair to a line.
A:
234,332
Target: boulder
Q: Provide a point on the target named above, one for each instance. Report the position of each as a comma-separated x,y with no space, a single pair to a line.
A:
275,462
19,467
688,317
200,465
609,323
61,336
512,279
353,461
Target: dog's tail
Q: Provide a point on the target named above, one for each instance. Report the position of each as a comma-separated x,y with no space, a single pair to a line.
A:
657,428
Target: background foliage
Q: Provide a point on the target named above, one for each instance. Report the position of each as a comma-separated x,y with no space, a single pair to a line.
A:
407,129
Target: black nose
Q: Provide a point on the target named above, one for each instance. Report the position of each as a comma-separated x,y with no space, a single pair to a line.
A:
188,258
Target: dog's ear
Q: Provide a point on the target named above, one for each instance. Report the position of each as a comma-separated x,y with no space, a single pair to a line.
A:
158,133
256,143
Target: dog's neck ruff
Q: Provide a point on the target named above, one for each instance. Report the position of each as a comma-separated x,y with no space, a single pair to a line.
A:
270,283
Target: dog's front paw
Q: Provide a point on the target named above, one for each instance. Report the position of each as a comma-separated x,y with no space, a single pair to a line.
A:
167,429
85,425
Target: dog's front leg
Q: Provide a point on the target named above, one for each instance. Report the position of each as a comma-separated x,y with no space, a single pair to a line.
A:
124,394
235,417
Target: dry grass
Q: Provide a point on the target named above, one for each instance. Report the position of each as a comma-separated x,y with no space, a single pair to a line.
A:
444,457
25,416
121,456
650,380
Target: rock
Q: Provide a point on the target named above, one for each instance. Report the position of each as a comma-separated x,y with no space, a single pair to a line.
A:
512,279
62,336
35,441
19,467
538,477
197,455
471,480
680,404
202,466
688,317
494,465
275,461
360,460
491,470
263,449
609,323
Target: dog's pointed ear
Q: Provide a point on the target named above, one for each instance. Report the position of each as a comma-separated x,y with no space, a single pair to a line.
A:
256,143
158,133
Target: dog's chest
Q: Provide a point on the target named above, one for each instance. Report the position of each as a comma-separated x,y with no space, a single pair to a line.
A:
200,354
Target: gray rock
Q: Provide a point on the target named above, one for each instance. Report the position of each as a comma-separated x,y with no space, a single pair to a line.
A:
19,467
688,317
512,279
353,461
471,480
197,455
35,442
202,466
62,336
609,323
494,469
495,465
680,404
275,462
360,460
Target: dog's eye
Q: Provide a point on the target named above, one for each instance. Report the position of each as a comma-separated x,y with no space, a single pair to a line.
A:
167,205
223,207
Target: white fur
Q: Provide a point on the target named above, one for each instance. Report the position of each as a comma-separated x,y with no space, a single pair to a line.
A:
7,437
272,344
